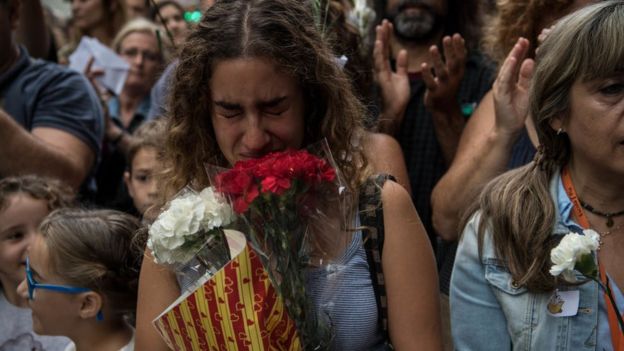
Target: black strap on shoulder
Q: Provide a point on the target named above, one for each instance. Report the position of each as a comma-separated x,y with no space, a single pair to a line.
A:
371,218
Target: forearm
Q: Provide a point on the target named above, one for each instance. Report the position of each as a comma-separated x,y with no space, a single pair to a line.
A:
158,288
465,179
32,31
23,153
410,275
448,128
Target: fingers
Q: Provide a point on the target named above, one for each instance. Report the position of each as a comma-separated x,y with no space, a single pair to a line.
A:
526,73
508,74
542,36
401,63
381,50
428,78
435,59
89,64
454,53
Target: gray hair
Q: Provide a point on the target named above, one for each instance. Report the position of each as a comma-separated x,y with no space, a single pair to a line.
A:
585,45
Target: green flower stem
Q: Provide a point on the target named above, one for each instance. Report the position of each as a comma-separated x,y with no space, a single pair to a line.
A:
606,288
277,229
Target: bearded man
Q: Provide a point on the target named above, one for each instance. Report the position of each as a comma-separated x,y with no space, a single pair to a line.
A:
431,76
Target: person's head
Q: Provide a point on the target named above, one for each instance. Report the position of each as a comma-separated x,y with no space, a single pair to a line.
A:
9,17
24,202
421,21
170,14
91,16
144,163
523,18
138,8
577,92
254,77
91,253
578,86
138,44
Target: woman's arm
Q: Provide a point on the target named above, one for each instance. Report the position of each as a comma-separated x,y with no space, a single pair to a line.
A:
384,155
410,275
486,143
477,320
158,288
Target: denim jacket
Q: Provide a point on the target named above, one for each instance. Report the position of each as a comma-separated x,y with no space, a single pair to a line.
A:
489,311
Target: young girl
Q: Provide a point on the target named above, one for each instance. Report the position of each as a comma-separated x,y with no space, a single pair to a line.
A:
81,278
24,202
256,77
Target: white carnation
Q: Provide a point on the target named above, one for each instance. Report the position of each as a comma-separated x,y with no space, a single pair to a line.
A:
571,248
217,212
178,232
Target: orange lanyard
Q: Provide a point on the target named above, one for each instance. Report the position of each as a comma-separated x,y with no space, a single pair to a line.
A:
616,334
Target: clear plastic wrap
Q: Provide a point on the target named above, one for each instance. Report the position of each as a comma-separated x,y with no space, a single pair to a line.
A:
297,213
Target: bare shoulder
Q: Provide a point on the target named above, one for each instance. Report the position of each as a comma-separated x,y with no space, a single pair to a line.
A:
384,155
373,140
396,199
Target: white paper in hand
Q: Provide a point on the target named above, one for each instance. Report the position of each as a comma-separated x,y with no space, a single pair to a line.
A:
115,68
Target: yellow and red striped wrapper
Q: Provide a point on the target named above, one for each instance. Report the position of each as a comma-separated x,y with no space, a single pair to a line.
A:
236,309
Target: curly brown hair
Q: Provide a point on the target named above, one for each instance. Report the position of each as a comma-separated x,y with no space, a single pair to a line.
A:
54,192
279,30
520,18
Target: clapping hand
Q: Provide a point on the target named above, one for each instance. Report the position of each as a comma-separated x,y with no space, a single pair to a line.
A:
444,80
511,89
394,85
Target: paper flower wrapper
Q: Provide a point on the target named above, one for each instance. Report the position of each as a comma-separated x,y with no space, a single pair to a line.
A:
235,309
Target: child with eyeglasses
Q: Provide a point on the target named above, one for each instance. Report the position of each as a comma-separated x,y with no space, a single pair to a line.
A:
82,272
24,203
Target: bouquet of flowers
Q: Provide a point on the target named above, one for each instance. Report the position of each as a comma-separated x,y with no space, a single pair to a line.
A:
575,252
282,197
188,235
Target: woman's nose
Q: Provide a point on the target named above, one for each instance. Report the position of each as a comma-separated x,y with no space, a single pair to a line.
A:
256,138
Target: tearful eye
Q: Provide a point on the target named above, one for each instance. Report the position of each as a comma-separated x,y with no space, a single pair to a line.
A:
274,112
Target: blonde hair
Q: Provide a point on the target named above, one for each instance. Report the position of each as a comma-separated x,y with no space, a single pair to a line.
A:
140,25
517,206
94,249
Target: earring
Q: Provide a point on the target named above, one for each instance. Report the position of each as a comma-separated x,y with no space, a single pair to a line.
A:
99,316
560,131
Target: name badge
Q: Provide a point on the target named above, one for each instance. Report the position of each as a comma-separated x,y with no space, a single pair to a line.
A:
563,303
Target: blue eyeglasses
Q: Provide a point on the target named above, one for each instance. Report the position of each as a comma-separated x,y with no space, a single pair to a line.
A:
32,285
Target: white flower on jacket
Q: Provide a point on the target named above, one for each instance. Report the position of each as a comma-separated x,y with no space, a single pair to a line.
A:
571,250
181,229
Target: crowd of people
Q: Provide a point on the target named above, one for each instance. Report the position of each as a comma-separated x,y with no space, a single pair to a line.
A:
497,127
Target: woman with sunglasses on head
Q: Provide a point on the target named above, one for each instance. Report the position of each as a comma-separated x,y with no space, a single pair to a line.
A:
24,203
82,273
